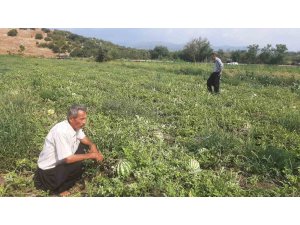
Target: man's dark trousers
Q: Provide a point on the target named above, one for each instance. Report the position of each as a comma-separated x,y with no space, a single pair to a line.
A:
61,177
214,80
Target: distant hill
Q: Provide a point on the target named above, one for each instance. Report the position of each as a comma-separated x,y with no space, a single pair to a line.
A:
178,47
229,48
52,43
55,42
153,44
26,38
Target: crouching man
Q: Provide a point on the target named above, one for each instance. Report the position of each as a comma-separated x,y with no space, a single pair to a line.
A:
66,146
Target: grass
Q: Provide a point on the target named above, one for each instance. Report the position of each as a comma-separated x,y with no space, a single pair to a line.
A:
246,139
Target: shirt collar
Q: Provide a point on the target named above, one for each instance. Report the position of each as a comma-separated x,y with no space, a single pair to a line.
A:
70,128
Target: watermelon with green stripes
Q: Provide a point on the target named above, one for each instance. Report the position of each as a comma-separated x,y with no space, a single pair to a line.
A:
194,165
123,168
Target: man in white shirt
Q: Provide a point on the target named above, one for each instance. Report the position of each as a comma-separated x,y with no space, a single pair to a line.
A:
214,79
60,161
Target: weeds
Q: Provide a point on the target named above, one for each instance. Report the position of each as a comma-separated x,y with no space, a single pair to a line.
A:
157,117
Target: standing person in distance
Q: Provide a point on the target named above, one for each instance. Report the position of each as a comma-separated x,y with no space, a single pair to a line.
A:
60,162
214,78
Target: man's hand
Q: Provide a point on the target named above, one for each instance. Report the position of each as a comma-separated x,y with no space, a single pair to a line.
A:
93,148
95,153
97,156
80,157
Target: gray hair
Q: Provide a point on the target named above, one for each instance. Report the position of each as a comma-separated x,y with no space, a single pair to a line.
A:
73,110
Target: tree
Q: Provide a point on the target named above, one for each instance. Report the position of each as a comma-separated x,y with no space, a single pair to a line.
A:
77,52
293,57
12,32
102,55
46,30
271,55
224,55
39,36
221,53
252,53
21,49
159,52
47,39
197,50
266,54
279,53
238,56
176,55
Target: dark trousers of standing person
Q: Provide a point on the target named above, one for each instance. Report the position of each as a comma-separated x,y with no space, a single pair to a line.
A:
214,80
62,177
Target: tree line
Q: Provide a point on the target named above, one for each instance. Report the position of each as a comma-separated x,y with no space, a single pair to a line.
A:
196,50
199,50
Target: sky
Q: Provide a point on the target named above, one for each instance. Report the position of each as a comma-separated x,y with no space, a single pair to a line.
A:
129,22
235,37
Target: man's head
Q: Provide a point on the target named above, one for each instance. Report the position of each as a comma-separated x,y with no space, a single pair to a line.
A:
214,55
77,116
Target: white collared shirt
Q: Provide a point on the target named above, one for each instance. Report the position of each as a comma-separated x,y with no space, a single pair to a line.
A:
61,142
218,65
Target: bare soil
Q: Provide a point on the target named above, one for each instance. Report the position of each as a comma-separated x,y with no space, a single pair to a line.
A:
11,45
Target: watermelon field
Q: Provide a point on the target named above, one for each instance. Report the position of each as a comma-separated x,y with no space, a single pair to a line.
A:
177,139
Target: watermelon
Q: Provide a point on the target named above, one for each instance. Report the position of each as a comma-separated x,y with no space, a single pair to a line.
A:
50,112
123,168
159,135
194,165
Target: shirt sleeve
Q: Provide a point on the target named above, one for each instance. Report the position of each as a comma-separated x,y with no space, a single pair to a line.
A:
80,134
62,145
221,64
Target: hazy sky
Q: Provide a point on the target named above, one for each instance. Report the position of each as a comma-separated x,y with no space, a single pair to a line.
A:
216,36
249,22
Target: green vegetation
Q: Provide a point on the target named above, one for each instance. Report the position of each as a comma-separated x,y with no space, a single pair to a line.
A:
157,117
102,55
21,49
79,46
46,30
47,39
159,52
12,32
266,55
197,50
39,36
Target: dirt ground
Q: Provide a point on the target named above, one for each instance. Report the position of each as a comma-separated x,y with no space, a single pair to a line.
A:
11,45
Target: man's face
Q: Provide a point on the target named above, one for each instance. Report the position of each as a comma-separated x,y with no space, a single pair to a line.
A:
79,121
213,57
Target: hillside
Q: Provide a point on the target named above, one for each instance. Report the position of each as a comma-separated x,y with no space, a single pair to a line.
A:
11,45
57,41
